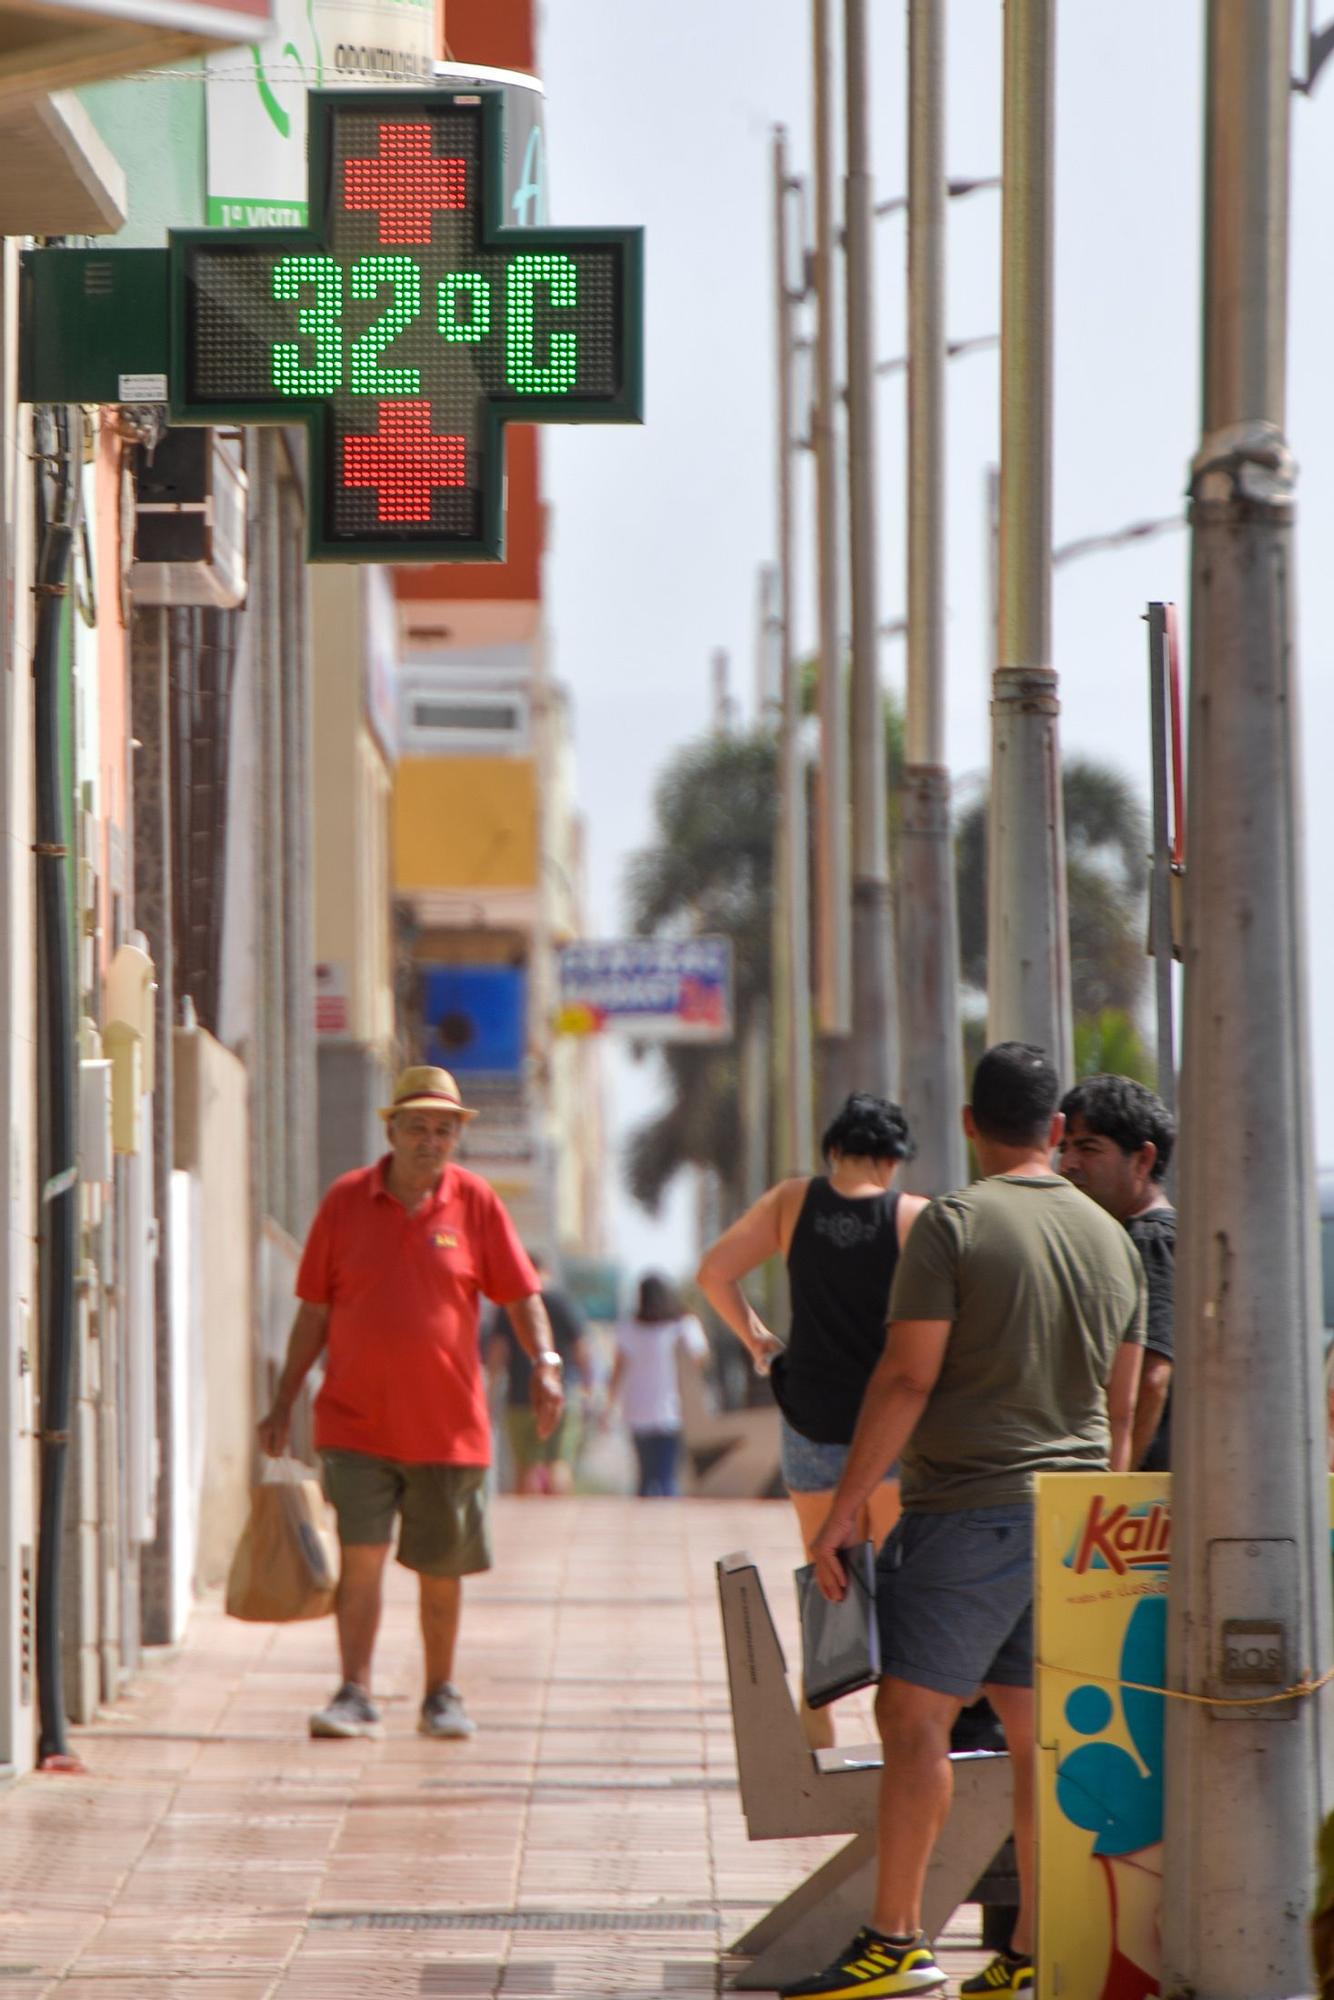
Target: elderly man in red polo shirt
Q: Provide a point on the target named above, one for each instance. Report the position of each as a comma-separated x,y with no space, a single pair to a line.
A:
395,1263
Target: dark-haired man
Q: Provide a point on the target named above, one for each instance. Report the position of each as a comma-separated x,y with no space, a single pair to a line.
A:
1117,1146
1016,1323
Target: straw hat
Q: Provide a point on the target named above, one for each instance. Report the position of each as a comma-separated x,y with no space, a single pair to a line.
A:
423,1088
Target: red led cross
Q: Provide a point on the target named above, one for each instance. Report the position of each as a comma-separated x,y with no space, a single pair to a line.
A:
406,184
405,462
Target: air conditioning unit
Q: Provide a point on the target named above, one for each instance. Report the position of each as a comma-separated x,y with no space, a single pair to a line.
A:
190,520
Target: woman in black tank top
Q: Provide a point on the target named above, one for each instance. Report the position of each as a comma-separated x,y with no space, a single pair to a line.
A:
840,1234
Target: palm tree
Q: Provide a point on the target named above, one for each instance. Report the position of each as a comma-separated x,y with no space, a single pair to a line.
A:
1106,853
710,869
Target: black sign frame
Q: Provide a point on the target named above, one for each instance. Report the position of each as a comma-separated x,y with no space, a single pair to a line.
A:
623,405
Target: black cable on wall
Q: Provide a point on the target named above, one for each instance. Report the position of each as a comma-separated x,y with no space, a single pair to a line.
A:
57,489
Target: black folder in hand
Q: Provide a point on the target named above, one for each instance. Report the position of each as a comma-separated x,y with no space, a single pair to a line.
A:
840,1643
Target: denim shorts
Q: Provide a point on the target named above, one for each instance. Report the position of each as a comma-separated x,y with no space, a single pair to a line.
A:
954,1600
809,1467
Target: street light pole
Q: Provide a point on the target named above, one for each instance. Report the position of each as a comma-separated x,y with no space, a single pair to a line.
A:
833,899
928,922
833,831
1249,1601
791,936
1028,946
875,1051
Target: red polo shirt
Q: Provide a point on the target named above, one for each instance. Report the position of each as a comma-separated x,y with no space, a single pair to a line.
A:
403,1375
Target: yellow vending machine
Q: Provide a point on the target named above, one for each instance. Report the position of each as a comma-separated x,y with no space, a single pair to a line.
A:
1102,1553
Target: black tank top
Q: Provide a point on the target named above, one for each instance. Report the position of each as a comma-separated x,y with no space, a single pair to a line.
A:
840,1263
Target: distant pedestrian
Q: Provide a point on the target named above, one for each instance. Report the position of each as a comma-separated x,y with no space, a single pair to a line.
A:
1117,1147
394,1265
840,1233
1016,1324
644,1381
542,1464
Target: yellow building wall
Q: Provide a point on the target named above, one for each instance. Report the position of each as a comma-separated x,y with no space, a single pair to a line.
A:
465,823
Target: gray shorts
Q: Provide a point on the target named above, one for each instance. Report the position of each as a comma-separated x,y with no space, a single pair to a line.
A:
954,1600
441,1510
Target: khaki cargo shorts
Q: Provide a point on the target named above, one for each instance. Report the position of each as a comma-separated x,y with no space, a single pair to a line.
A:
442,1510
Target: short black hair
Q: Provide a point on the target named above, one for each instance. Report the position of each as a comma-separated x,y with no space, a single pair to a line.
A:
1015,1089
659,1299
870,1128
1127,1113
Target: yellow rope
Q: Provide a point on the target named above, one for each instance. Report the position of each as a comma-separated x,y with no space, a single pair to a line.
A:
1297,1692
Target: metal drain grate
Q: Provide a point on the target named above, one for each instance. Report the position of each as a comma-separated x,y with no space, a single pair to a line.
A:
511,1920
682,1979
540,1787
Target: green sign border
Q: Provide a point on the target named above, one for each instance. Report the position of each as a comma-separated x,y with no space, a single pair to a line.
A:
626,408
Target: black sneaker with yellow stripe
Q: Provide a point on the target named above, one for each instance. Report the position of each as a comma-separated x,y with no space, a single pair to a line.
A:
874,1967
1008,1972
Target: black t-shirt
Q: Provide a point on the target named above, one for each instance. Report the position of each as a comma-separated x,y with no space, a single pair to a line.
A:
840,1265
567,1329
1154,1235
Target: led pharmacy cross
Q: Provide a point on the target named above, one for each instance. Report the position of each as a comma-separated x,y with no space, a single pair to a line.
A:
406,326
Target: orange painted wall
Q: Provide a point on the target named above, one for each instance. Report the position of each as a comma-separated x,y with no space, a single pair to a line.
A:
499,32
519,577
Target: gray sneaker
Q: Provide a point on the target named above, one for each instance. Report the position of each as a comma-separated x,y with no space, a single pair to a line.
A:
443,1713
350,1713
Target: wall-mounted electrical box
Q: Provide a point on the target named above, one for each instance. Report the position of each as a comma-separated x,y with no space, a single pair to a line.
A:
96,1158
125,1048
132,999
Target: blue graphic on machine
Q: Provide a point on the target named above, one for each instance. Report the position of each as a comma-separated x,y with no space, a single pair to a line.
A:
1100,1786
474,1018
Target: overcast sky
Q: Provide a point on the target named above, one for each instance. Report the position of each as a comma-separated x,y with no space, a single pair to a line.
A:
663,116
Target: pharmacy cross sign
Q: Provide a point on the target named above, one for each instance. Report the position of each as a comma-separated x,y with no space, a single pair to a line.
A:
406,326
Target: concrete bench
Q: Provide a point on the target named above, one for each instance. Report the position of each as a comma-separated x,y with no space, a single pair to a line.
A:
789,1791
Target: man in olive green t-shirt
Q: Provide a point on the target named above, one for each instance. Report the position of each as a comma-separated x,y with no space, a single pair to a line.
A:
1014,1344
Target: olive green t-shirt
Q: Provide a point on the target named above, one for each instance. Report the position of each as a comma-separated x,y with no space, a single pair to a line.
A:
1042,1286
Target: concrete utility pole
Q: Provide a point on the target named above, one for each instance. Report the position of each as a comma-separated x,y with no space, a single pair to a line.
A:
766,648
875,1041
928,921
792,992
1249,1607
720,683
834,879
1028,938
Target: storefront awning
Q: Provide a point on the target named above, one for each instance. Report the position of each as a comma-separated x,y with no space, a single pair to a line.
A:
48,45
57,176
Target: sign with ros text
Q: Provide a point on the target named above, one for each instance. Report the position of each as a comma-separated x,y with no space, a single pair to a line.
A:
659,989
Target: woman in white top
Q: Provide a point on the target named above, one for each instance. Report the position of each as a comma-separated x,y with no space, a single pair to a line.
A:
643,1380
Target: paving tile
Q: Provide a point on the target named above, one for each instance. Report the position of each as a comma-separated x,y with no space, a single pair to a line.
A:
213,1842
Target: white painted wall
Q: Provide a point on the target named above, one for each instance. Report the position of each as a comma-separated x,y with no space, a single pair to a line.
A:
18,1053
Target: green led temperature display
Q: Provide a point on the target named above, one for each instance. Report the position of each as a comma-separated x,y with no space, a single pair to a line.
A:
408,325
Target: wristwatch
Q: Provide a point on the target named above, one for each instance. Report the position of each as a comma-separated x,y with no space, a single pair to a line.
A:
546,1357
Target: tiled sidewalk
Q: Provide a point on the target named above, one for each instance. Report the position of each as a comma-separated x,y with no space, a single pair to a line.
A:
589,1841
